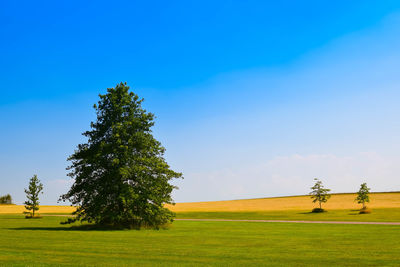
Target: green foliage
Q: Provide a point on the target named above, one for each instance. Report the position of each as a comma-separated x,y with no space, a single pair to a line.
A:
6,199
121,177
319,193
32,194
363,195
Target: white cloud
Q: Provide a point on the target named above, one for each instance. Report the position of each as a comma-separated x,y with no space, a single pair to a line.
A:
292,175
321,112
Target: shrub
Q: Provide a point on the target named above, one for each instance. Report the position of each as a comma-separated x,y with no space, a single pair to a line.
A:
318,210
30,217
365,210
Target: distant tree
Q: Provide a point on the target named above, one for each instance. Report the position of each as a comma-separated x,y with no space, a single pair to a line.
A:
7,199
363,195
32,193
120,175
319,193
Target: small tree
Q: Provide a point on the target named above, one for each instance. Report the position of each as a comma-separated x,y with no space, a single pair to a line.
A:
319,193
32,193
363,195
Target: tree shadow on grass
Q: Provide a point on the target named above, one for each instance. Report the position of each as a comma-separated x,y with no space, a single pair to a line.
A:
352,212
88,227
311,212
355,212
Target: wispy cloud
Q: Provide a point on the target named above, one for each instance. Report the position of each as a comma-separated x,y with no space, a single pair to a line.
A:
323,112
293,175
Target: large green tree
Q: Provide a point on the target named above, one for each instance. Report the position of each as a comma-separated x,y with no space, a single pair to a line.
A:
120,175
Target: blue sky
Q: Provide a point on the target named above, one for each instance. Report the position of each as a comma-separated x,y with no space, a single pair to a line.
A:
252,98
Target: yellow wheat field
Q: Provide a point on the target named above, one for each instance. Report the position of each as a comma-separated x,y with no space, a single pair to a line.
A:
15,209
338,201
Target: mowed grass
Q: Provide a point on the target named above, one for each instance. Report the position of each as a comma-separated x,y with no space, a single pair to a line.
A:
341,207
44,242
377,215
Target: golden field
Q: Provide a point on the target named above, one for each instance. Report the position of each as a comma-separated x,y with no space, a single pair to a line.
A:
336,202
13,209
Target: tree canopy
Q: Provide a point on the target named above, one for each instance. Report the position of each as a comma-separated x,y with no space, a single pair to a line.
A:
120,175
7,199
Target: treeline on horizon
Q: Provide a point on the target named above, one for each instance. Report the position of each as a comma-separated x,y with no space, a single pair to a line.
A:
7,199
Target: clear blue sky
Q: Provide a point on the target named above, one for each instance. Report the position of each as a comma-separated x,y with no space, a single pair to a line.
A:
252,98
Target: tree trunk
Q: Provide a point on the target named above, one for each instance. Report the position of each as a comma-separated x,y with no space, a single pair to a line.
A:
320,206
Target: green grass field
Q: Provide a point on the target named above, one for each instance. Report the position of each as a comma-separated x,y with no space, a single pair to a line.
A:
44,242
377,215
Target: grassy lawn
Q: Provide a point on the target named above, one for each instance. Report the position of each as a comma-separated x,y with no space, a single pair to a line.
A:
385,207
377,215
45,242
